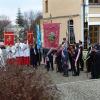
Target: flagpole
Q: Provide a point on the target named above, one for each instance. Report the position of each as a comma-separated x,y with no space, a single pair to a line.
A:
4,33
50,18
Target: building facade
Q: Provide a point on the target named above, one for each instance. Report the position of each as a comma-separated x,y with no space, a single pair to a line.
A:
80,18
94,20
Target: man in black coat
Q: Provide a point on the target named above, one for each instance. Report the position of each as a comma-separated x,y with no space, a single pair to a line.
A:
95,66
50,60
33,60
81,56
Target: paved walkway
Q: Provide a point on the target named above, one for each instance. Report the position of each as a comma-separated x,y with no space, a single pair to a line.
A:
82,90
58,78
76,87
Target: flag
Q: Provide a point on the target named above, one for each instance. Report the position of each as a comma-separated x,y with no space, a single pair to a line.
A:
51,35
8,38
30,37
38,37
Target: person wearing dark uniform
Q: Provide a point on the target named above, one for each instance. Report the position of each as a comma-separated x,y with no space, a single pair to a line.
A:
72,60
49,60
45,51
33,61
77,59
58,61
65,58
95,68
89,60
81,56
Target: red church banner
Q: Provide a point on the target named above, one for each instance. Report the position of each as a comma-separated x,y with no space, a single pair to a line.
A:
30,38
51,35
8,38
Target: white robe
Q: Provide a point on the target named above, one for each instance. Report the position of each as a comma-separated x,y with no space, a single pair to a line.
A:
22,50
18,50
13,49
26,50
1,58
9,52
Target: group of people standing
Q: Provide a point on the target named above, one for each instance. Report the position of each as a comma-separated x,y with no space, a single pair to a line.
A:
70,58
93,61
19,53
23,54
64,55
67,57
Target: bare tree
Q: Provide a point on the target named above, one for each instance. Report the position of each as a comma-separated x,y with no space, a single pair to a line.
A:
38,17
4,22
31,19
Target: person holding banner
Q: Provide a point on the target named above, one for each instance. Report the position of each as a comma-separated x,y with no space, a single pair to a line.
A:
49,60
65,58
9,42
9,54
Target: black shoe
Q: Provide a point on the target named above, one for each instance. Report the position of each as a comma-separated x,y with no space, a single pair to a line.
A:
52,69
77,74
92,78
81,69
65,75
74,75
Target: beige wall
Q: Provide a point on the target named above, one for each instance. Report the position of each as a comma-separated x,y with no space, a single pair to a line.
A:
63,27
62,7
94,19
94,9
64,10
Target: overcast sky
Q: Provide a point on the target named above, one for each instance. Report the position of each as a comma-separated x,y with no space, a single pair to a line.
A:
10,7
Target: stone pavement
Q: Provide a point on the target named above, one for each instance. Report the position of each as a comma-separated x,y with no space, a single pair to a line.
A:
76,87
58,78
82,90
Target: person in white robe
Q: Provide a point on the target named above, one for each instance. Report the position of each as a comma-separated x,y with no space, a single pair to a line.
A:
18,52
26,53
2,62
9,54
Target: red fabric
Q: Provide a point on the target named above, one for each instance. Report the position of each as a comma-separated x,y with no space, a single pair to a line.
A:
30,37
9,38
11,61
20,60
26,60
48,29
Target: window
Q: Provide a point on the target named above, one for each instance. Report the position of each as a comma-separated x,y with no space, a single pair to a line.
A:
46,6
94,34
71,31
94,1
